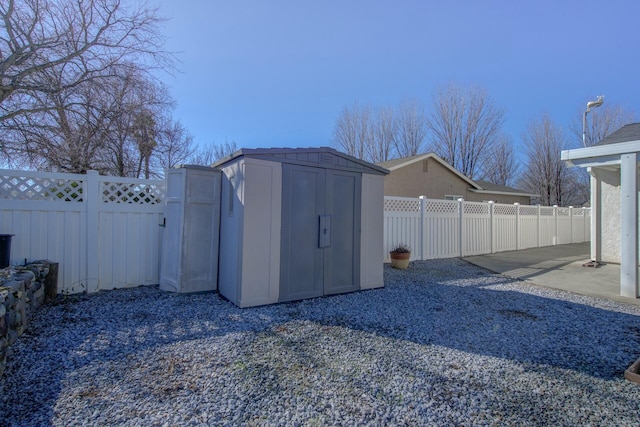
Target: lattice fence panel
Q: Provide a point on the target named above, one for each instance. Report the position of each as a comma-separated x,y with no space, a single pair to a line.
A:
578,212
564,211
139,194
476,208
505,209
442,207
35,188
401,205
547,211
528,210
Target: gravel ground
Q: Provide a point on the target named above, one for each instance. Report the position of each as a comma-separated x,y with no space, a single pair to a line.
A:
444,343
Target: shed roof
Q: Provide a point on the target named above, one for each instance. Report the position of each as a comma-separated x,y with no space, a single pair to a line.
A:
325,157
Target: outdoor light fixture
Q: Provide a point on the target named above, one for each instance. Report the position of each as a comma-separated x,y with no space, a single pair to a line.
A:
590,104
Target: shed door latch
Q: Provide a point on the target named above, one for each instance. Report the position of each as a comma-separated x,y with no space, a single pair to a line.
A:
324,231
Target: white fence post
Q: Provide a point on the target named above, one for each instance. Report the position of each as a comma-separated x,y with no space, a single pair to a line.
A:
449,223
555,229
491,227
461,225
517,225
422,227
539,228
93,196
571,222
103,236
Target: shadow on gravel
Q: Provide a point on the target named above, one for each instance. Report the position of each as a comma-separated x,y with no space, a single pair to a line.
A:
457,305
447,303
473,310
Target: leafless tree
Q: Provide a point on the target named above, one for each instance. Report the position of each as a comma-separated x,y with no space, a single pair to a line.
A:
353,131
411,127
116,126
206,156
380,134
544,173
501,167
75,41
141,130
380,145
66,73
174,145
601,122
464,123
66,137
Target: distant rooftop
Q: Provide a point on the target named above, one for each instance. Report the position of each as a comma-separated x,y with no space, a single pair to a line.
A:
477,186
391,163
490,186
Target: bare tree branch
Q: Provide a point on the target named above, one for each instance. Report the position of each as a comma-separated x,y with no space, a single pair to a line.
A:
353,132
175,145
464,125
601,122
411,128
545,173
209,155
75,41
76,89
501,167
380,134
379,147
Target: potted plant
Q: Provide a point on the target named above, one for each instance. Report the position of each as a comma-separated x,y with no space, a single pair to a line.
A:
400,255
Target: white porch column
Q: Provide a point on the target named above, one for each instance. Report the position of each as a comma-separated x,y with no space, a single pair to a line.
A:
596,216
629,226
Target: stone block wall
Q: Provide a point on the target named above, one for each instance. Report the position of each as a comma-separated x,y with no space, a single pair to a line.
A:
22,290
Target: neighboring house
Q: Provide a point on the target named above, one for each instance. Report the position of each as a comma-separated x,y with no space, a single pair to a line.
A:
428,175
613,166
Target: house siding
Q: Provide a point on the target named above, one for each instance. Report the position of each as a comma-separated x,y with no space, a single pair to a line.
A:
435,181
497,198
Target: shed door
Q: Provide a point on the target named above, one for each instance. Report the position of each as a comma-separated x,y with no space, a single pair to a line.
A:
320,252
342,257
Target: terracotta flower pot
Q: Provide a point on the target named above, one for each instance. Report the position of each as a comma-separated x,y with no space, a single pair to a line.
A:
400,260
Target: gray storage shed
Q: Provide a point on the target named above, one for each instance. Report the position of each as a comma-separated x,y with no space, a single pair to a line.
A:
298,223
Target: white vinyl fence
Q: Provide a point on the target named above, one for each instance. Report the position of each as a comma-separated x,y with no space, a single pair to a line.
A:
103,231
447,228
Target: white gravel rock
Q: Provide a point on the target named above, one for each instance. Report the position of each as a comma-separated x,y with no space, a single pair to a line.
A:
444,343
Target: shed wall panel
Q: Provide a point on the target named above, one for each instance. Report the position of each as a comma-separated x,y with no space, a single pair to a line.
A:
231,232
261,238
371,237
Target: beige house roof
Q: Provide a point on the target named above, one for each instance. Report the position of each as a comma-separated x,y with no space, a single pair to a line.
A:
406,161
490,187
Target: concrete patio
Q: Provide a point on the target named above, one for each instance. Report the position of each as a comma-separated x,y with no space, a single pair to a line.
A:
558,267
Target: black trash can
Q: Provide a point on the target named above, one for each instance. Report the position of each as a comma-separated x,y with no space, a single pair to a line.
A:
5,250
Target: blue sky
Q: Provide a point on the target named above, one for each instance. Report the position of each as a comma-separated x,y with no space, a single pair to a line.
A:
278,73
